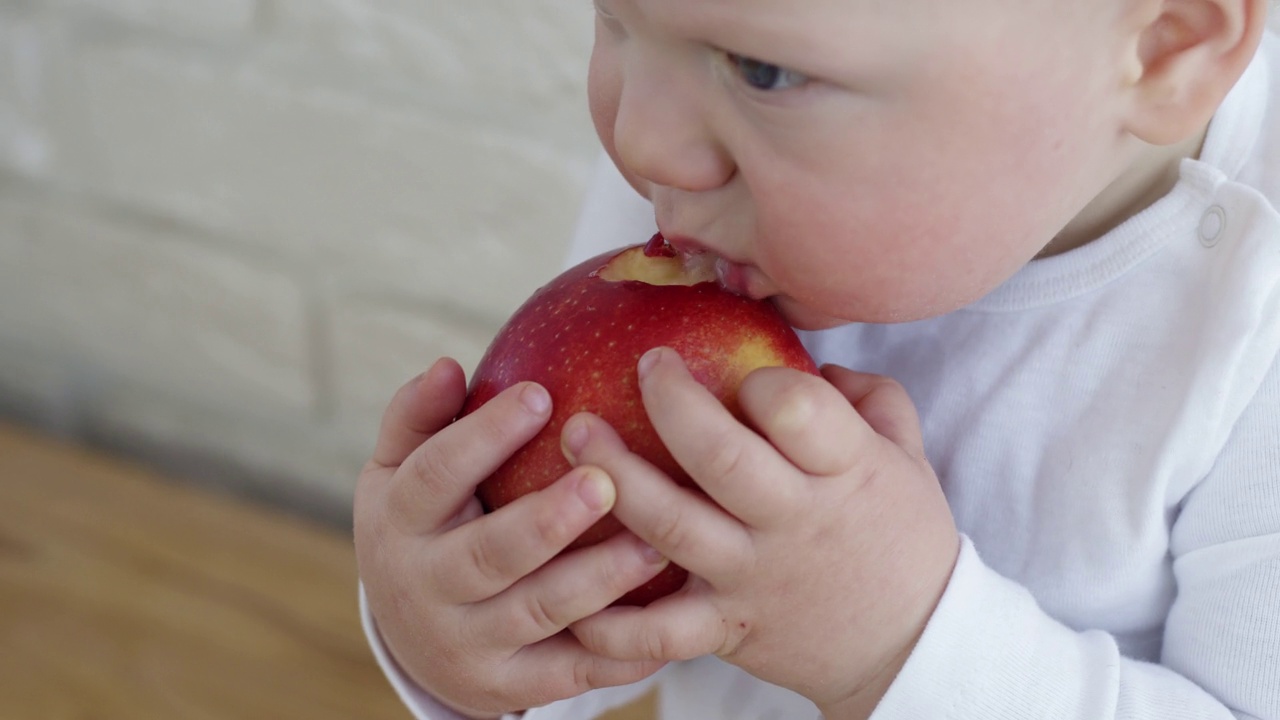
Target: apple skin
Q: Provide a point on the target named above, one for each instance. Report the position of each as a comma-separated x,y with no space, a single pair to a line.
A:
580,336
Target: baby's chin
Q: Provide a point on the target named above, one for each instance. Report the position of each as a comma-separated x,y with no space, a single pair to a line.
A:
808,318
803,317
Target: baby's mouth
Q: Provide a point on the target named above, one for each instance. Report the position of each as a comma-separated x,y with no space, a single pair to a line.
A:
701,262
734,277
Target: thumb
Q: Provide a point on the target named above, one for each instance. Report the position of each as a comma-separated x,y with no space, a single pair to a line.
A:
883,403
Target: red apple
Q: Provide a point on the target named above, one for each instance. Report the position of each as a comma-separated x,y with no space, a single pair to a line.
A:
581,335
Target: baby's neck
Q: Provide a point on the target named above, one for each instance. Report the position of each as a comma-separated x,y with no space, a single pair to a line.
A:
1152,174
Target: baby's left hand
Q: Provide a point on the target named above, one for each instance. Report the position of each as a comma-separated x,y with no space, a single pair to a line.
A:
827,546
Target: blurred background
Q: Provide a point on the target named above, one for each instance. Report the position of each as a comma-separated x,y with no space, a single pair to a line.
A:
229,230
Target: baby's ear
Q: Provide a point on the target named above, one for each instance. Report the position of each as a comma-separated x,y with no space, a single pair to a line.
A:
1186,56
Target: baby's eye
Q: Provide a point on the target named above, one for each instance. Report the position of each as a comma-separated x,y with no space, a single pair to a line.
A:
765,76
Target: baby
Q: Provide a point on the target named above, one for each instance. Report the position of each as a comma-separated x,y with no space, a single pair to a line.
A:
1037,246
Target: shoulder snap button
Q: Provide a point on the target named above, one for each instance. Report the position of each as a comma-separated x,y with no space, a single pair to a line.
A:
1213,224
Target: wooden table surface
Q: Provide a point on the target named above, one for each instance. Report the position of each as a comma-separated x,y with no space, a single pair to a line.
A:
124,596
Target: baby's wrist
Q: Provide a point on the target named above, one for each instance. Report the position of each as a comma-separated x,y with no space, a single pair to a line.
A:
862,701
471,714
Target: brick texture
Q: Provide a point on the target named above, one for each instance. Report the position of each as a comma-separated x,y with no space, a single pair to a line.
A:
147,303
25,139
512,51
187,17
361,195
376,348
230,229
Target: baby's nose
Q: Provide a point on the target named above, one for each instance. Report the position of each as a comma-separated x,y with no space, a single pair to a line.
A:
666,138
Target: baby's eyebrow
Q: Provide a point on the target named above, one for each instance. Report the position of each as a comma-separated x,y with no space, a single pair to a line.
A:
759,23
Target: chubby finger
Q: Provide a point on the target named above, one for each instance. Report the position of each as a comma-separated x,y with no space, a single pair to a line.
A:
805,418
480,559
437,478
883,404
568,589
677,627
735,466
681,523
559,667
418,410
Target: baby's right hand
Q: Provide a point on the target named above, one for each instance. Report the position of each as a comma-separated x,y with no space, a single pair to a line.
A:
474,606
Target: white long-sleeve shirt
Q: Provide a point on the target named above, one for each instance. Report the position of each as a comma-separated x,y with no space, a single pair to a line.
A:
1106,427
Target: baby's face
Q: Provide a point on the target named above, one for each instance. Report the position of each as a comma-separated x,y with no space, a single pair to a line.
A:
867,160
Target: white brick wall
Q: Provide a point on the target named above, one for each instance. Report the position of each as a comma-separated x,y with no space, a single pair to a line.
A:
230,229
188,17
24,136
157,305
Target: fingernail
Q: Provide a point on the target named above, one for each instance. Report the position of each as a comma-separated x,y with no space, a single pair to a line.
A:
648,361
535,399
435,367
574,438
597,491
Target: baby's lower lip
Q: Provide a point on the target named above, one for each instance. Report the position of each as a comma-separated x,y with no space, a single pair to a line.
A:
733,277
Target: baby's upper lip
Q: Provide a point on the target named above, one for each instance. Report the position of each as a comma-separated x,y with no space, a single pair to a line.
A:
685,244
688,245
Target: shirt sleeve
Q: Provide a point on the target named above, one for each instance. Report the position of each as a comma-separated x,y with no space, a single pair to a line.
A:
991,653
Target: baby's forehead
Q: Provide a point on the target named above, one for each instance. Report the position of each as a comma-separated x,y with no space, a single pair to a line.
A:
864,42
869,10
765,16
872,21
850,18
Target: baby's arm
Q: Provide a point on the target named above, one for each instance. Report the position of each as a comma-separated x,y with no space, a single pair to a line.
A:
991,652
987,649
